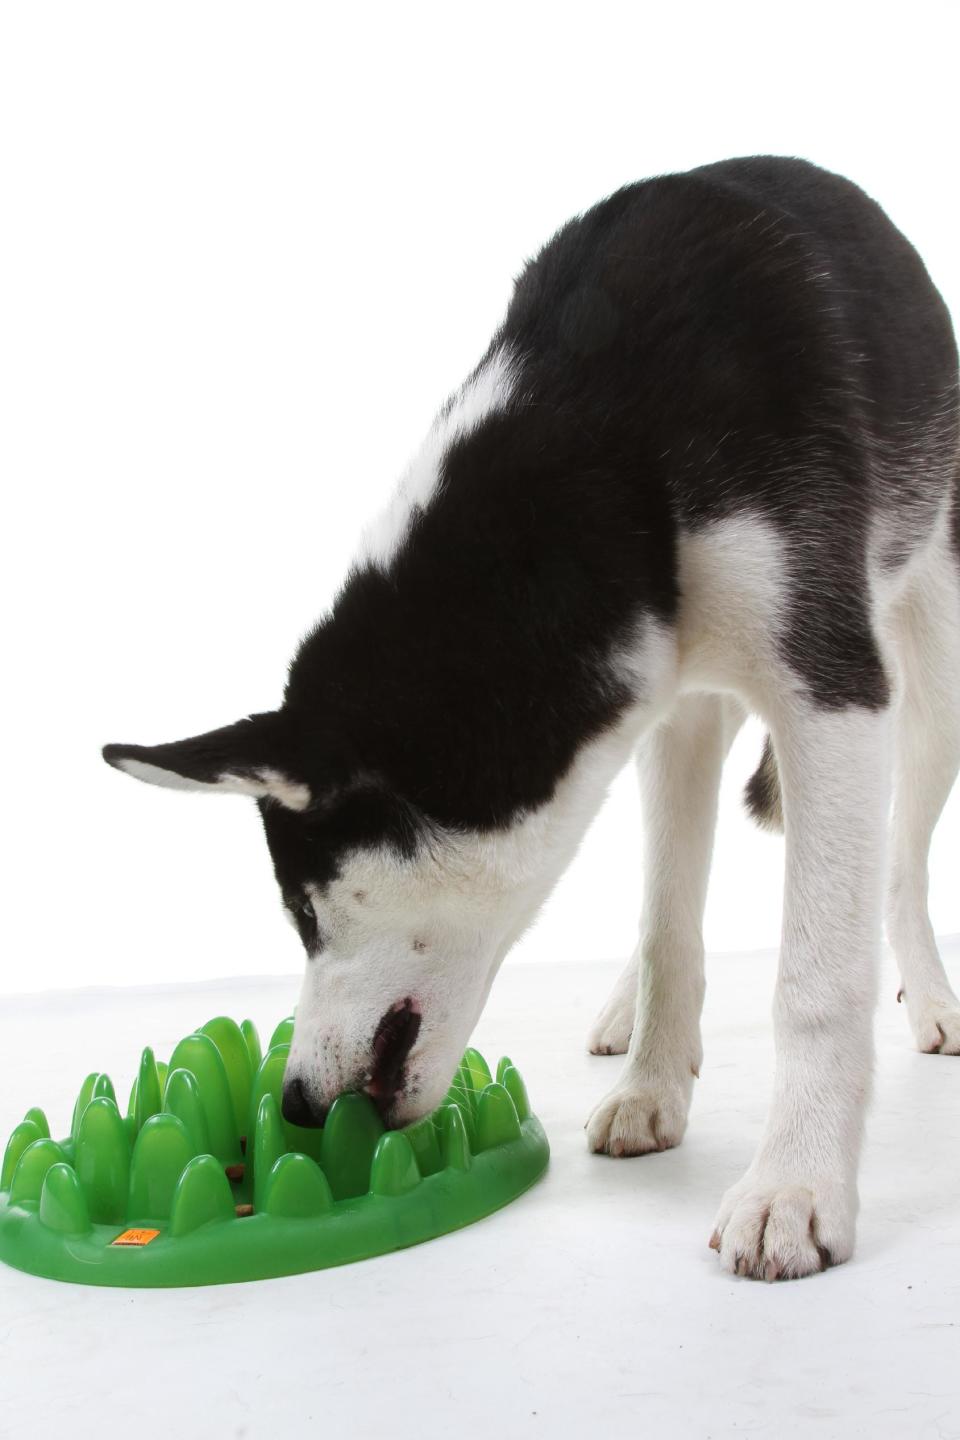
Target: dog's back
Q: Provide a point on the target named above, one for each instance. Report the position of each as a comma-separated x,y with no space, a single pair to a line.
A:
757,337
756,316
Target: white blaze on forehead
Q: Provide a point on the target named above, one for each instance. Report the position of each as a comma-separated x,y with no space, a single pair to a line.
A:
485,394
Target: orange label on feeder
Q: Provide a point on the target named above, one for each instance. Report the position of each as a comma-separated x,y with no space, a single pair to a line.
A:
135,1237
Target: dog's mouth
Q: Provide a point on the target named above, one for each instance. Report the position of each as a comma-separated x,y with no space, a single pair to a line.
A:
393,1040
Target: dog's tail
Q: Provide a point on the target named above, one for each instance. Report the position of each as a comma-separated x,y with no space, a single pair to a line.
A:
762,795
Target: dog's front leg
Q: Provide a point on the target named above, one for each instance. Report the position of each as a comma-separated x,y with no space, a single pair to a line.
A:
655,1008
794,1211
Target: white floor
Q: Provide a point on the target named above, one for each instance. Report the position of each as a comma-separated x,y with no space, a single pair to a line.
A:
591,1305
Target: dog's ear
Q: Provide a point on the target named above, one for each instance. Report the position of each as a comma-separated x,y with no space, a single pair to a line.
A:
252,757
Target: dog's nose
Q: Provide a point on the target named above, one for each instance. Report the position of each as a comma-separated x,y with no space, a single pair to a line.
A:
298,1108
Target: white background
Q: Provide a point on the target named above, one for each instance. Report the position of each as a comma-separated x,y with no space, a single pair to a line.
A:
247,251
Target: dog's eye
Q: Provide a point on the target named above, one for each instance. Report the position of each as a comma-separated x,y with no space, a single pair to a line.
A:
305,919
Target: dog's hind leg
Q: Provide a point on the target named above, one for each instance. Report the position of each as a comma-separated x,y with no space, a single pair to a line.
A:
926,642
655,1007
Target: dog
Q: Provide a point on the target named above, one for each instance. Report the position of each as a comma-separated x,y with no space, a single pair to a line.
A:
707,467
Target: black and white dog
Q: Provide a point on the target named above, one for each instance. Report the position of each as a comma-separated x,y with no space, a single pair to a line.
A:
708,465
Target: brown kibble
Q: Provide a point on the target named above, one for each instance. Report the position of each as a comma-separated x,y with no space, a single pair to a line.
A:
243,1144
235,1172
243,1211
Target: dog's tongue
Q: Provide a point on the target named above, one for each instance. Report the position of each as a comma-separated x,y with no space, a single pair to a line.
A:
395,1037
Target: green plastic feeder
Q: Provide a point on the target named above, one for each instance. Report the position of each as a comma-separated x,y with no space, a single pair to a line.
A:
203,1181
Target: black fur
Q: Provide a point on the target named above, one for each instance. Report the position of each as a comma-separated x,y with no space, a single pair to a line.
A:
241,749
752,335
762,795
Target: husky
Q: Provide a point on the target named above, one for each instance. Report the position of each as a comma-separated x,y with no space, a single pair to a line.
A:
708,467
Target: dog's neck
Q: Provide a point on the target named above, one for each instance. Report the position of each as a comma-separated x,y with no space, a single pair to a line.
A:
491,630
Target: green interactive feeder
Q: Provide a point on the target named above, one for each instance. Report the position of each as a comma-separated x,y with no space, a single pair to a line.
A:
204,1182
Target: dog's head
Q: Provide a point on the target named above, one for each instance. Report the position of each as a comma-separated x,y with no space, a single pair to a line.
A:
402,926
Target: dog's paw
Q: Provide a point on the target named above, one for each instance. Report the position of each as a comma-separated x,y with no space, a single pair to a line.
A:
613,1027
773,1229
639,1118
936,1029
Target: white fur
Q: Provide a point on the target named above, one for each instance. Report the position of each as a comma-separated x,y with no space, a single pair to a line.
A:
488,391
156,775
734,604
795,1208
290,793
733,600
656,1004
923,631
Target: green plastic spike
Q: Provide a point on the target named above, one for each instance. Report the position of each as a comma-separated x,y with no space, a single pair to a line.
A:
103,1085
102,1160
463,1084
350,1137
497,1122
32,1170
282,1035
268,1080
83,1100
297,1188
162,1150
25,1134
268,1145
478,1069
228,1038
466,1104
512,1081
181,1097
426,1146
199,1054
36,1115
148,1099
454,1144
170,1196
63,1207
252,1040
202,1195
394,1170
